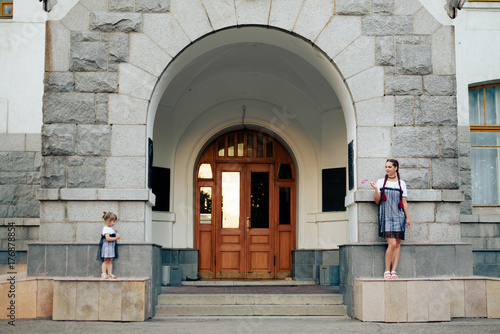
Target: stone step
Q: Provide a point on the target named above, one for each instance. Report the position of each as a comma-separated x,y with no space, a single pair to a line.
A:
251,310
247,283
250,299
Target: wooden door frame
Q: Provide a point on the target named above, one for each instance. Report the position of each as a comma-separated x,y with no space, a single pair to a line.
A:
205,234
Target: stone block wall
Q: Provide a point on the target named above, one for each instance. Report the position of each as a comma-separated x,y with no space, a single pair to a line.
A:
486,262
185,259
307,263
20,160
482,231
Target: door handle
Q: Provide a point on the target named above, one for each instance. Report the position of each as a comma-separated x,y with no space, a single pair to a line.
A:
248,224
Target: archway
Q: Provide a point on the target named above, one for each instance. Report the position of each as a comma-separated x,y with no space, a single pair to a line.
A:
286,86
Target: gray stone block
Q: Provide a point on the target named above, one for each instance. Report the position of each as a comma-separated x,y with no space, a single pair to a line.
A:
445,256
95,82
76,161
94,265
59,82
17,161
490,257
78,256
8,194
415,142
436,111
303,272
303,256
463,260
411,40
440,85
86,177
116,22
139,267
89,56
53,172
444,172
93,140
121,5
58,139
122,265
493,243
413,59
56,261
464,163
362,265
95,162
487,270
417,178
27,207
12,177
384,51
406,265
118,47
352,7
101,113
449,142
188,256
331,257
425,261
478,257
90,36
403,85
101,98
156,6
387,25
36,260
383,7
68,108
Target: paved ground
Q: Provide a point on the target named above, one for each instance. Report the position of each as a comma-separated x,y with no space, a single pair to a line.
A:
247,325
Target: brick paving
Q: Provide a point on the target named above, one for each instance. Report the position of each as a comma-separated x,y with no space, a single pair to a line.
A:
246,289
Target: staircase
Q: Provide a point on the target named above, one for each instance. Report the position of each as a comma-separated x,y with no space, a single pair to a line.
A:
255,298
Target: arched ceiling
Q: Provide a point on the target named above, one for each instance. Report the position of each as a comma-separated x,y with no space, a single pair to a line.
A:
239,70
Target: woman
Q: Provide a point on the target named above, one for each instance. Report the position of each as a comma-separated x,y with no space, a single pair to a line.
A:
390,194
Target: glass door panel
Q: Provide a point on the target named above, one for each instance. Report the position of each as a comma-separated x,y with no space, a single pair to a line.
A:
259,197
230,199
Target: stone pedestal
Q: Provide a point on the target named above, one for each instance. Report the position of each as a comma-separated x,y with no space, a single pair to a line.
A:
418,260
79,260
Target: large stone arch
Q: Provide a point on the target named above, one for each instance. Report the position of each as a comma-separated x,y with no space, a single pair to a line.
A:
381,60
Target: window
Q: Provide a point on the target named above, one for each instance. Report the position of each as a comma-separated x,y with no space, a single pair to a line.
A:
6,8
484,119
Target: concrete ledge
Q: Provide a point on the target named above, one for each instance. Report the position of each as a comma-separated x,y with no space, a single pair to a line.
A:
87,299
414,195
426,299
69,194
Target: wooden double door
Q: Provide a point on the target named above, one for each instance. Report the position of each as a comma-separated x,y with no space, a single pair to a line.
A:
245,224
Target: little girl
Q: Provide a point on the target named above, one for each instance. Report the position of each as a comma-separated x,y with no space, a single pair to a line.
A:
107,246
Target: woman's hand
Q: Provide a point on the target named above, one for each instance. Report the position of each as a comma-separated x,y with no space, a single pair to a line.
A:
373,184
408,223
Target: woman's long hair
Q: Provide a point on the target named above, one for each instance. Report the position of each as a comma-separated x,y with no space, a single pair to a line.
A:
395,163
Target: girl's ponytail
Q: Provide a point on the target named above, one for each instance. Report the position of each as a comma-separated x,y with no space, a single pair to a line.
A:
383,197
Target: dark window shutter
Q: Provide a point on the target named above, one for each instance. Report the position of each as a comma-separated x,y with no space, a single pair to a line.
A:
334,184
161,188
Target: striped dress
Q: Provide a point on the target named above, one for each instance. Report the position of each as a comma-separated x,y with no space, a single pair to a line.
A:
392,219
